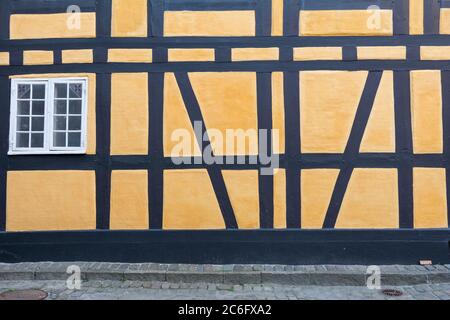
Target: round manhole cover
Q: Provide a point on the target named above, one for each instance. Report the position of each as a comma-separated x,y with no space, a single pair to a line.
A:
392,293
30,294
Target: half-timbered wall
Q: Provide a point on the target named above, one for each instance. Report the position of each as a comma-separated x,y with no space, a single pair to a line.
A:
359,94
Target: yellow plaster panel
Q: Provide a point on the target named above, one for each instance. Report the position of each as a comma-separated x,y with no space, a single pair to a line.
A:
77,56
277,17
179,136
189,201
435,53
328,104
381,53
371,200
175,55
278,140
254,54
54,25
380,131
416,14
445,21
130,55
129,200
430,199
317,53
242,188
129,113
91,121
228,101
50,200
4,58
209,23
129,18
345,23
426,105
36,57
317,187
279,199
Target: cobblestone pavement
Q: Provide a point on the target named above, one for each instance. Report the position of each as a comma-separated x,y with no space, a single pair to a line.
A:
141,290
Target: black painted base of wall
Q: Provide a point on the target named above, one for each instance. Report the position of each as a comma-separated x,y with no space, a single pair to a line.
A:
226,247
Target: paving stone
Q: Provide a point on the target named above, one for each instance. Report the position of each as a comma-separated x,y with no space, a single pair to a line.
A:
209,277
144,276
242,277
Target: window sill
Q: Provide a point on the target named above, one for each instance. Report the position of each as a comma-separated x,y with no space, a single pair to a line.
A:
46,153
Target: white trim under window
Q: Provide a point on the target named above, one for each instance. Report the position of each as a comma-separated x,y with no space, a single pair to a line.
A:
48,116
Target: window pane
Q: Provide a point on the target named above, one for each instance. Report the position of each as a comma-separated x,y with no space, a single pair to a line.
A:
75,90
23,123
23,91
23,107
38,108
39,91
74,139
37,124
59,123
74,123
75,106
37,140
22,140
60,106
59,139
61,90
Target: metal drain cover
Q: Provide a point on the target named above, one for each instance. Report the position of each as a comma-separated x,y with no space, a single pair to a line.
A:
29,294
392,293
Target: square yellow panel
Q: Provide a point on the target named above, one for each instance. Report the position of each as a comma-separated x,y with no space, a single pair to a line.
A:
50,200
435,53
4,58
317,53
129,114
254,54
426,111
381,53
53,25
78,56
416,15
430,198
181,55
129,200
444,21
36,57
129,18
209,23
346,23
130,55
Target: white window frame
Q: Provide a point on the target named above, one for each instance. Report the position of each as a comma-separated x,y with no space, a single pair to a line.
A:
48,117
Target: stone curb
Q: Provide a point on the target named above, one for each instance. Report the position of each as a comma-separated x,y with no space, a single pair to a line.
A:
320,275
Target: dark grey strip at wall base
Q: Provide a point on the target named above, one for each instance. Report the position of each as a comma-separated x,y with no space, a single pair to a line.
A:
230,246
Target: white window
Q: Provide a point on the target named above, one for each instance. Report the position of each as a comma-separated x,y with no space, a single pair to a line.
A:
48,116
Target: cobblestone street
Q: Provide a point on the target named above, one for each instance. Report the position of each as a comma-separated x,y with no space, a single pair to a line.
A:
141,290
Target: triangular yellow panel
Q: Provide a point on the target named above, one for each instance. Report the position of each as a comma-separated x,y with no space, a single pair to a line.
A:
242,188
317,187
177,126
380,131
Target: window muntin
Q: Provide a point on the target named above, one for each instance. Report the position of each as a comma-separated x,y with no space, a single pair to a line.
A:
48,116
